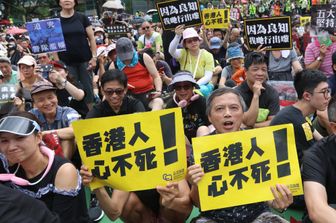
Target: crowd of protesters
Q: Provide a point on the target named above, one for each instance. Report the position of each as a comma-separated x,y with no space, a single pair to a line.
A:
220,85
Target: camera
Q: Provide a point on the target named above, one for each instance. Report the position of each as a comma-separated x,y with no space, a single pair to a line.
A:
45,70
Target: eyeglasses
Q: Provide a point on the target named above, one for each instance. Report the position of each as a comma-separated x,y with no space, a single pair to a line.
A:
110,92
190,40
147,27
184,87
326,92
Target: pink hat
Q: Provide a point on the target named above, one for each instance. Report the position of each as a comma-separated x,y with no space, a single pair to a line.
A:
190,33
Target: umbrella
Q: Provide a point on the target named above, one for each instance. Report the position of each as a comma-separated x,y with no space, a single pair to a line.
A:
16,30
113,4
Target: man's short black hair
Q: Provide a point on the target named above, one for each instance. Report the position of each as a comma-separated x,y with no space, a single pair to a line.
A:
307,80
114,75
255,58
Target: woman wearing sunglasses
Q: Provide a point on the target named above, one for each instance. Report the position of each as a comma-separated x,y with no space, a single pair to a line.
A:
193,105
36,171
198,61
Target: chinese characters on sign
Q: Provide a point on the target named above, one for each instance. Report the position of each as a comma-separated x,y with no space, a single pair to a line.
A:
125,151
323,16
216,18
117,30
178,12
274,33
7,92
46,36
304,20
241,164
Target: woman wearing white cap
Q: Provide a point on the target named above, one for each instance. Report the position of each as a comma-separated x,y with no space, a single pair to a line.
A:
198,61
36,170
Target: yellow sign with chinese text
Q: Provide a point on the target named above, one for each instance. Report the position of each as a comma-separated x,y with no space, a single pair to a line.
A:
133,152
304,20
240,167
216,18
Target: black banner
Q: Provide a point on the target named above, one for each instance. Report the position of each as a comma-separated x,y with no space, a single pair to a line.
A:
117,30
324,16
178,12
275,33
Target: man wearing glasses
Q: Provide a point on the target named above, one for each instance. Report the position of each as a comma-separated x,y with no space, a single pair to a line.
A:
150,38
313,95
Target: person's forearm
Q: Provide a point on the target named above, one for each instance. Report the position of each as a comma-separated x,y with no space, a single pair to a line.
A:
76,93
101,70
173,46
111,206
262,124
205,79
251,115
63,133
158,83
314,65
166,80
93,48
322,214
194,196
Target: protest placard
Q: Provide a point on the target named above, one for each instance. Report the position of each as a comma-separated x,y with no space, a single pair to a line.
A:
240,167
46,36
216,18
133,152
275,33
117,30
323,16
304,20
177,12
7,92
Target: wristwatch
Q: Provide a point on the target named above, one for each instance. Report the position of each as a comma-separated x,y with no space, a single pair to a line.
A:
319,59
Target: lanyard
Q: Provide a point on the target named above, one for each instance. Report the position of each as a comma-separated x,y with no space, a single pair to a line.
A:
198,58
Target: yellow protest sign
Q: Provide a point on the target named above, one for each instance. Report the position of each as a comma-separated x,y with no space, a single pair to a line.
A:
240,167
304,20
216,18
133,152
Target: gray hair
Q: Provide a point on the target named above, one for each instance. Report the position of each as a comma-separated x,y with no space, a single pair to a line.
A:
220,92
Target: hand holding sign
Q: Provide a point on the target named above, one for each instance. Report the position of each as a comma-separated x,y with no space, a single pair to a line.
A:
283,197
179,30
168,193
195,174
86,175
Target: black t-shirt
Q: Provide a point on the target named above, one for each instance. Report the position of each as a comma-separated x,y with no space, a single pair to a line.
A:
17,207
75,37
194,116
319,165
268,99
129,106
303,129
219,58
69,205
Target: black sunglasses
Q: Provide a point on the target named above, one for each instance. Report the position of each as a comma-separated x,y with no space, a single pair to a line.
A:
110,92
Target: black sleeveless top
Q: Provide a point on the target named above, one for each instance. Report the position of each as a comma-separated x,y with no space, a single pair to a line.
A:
69,205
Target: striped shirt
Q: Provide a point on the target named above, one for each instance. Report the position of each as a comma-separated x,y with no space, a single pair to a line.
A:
313,52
